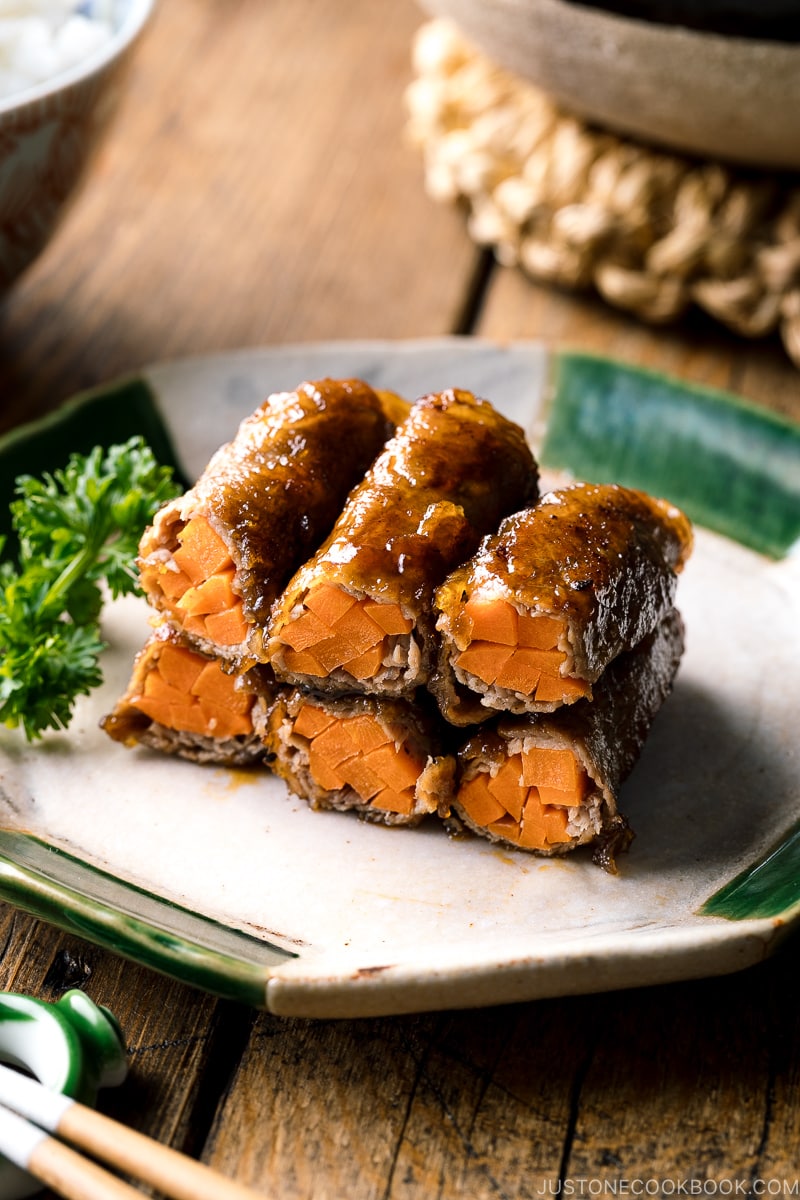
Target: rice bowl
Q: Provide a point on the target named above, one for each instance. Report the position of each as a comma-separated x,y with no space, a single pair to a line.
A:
50,128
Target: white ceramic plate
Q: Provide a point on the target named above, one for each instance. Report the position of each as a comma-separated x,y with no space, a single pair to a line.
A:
223,879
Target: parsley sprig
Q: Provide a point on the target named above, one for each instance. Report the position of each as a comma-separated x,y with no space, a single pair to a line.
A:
78,532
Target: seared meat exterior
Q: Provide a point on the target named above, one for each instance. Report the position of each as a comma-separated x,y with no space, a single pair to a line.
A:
380,756
180,701
215,559
358,616
550,599
550,782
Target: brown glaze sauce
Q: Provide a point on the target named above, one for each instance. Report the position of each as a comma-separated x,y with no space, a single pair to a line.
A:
277,488
451,472
567,554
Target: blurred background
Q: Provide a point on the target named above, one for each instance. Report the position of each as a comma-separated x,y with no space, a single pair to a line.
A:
263,182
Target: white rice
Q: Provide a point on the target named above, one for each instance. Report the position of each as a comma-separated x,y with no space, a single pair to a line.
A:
41,38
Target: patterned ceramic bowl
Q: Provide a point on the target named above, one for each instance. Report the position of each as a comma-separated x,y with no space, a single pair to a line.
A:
47,136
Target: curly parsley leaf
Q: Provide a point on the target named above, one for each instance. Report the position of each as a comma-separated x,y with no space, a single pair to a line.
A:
78,531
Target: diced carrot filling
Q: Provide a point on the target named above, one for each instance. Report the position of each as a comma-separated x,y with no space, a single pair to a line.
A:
506,827
542,766
216,687
201,549
197,584
365,733
482,806
329,603
542,826
336,631
311,720
323,773
517,651
485,659
561,688
213,595
539,631
395,766
366,665
227,629
526,801
189,693
389,800
357,752
305,631
526,667
493,621
389,617
178,667
508,789
361,777
301,663
173,582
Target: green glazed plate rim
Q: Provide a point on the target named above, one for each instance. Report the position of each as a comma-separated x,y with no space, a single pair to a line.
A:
592,417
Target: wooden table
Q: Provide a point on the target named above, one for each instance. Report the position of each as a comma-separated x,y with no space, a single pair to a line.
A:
257,189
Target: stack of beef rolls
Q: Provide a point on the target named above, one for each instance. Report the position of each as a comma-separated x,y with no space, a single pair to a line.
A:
373,600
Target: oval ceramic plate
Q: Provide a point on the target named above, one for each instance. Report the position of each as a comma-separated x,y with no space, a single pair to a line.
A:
224,880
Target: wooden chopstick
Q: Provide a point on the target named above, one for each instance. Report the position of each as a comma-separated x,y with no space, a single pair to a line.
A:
30,1113
56,1165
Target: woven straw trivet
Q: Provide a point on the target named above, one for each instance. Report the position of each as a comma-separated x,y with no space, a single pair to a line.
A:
653,232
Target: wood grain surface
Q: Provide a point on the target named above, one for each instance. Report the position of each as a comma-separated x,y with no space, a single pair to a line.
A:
257,189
